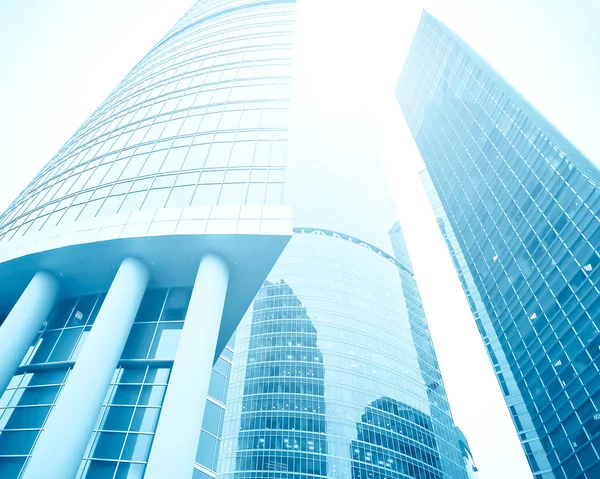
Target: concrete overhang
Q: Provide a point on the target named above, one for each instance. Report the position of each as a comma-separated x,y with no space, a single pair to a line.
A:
172,260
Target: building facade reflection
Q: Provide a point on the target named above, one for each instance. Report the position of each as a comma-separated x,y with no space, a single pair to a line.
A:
283,410
394,441
366,351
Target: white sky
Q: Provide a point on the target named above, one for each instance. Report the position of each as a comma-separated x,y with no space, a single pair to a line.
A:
60,59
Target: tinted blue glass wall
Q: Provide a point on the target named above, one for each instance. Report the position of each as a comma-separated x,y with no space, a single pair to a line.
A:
518,206
334,373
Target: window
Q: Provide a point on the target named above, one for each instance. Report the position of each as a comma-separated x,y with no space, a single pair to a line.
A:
156,199
233,194
133,202
206,195
180,196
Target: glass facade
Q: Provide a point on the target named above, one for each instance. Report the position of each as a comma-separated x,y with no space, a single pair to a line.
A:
517,204
382,455
334,374
123,434
283,407
200,120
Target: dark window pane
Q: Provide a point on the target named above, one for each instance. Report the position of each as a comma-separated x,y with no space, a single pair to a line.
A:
139,341
60,314
126,395
108,445
10,467
137,447
56,376
132,375
151,305
39,395
83,310
16,442
101,470
117,418
46,343
177,304
65,345
27,418
145,419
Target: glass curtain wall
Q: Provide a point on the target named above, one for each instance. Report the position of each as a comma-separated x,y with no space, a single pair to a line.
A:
328,379
518,205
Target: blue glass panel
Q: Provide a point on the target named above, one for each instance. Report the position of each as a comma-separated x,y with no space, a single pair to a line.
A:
165,341
130,471
206,450
10,467
117,418
101,470
137,447
213,416
145,419
27,418
108,445
17,442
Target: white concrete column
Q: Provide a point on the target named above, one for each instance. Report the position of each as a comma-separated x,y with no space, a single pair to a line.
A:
61,445
21,326
178,431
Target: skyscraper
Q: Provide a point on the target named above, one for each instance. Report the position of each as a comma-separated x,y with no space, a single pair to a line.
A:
149,235
517,205
334,357
183,163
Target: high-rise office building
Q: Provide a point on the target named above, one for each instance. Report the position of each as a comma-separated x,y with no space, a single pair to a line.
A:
518,206
182,163
154,229
333,374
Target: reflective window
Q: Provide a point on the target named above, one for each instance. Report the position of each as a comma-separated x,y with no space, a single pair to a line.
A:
307,398
184,107
517,205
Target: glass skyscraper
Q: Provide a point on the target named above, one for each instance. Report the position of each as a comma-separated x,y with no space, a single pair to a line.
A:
518,207
202,193
334,374
184,161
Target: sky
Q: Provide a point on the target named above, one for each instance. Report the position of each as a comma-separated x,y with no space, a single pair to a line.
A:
60,59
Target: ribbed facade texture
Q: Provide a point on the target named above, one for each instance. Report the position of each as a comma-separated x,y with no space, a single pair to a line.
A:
518,205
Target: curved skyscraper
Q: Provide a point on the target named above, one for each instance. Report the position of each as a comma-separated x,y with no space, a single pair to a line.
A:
182,163
130,259
342,337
